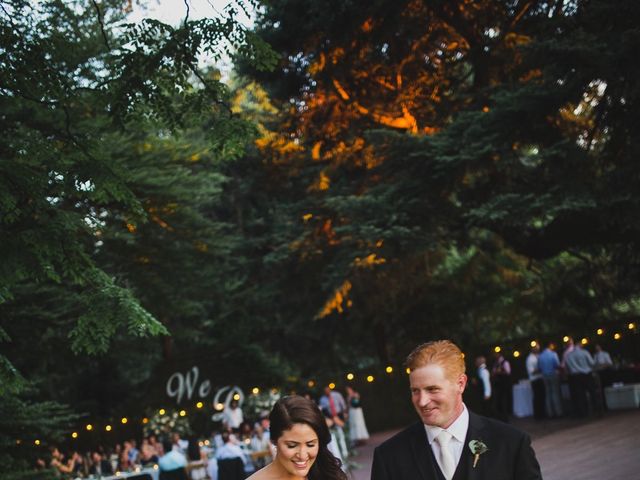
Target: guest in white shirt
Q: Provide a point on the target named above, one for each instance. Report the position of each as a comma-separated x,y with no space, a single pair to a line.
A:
602,359
230,450
233,415
537,383
483,382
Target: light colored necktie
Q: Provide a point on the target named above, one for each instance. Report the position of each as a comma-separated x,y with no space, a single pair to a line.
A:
447,464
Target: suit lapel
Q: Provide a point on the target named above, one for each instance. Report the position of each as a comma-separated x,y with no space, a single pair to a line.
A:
465,468
422,452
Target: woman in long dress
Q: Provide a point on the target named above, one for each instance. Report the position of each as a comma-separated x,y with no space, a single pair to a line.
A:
358,432
300,435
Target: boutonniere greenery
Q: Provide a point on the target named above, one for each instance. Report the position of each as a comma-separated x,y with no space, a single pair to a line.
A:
477,447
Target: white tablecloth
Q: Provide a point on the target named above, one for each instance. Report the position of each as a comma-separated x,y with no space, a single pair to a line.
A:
623,396
523,399
154,472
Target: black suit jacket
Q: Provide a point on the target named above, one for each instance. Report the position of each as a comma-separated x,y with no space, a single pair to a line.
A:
408,456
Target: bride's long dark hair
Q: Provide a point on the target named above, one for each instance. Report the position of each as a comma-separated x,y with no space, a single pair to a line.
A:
296,409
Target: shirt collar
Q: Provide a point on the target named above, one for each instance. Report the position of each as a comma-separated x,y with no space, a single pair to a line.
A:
458,429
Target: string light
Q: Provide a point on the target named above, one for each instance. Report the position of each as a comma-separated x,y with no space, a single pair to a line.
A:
145,420
255,390
124,420
516,354
497,349
408,370
236,397
389,369
350,376
332,385
617,336
534,343
565,339
161,411
311,384
183,413
600,331
631,326
219,406
74,435
89,427
108,428
37,442
584,341
370,378
199,405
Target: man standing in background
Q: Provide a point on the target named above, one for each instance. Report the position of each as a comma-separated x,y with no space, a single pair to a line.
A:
537,383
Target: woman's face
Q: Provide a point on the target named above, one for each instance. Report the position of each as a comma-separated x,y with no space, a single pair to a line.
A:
297,449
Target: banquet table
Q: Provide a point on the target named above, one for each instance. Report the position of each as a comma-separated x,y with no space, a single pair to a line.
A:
140,474
523,399
620,396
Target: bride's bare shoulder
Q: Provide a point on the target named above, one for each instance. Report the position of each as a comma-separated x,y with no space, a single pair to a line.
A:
265,473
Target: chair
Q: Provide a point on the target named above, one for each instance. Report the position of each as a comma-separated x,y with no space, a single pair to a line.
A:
231,469
176,474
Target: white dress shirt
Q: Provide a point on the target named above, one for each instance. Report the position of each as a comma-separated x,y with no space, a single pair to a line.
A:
532,367
458,430
483,373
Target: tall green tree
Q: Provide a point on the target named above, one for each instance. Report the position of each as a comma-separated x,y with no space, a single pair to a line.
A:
82,93
464,180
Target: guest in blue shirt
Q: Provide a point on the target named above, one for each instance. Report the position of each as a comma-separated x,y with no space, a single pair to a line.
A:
548,364
172,459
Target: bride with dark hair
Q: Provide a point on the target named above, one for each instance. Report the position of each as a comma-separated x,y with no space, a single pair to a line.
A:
300,434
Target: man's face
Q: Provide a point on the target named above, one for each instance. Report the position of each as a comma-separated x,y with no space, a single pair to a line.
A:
436,398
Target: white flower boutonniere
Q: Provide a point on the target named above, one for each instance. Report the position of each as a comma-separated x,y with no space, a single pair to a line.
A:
477,448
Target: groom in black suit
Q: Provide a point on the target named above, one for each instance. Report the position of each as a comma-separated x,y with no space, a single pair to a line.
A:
450,442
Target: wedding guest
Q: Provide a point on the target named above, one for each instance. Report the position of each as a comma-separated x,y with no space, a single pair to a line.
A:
132,452
196,460
301,436
172,458
537,383
59,463
233,415
601,359
549,366
358,432
80,465
179,443
568,348
155,445
148,455
502,387
603,366
579,365
334,407
260,445
100,466
230,450
483,383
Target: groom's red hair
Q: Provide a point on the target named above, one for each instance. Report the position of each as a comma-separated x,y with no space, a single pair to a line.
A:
442,352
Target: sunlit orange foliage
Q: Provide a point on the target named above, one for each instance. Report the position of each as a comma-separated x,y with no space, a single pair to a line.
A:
337,300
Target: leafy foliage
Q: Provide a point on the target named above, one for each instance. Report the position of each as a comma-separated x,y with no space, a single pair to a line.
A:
461,174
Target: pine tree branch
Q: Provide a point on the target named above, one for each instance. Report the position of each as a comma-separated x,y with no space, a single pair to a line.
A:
104,34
